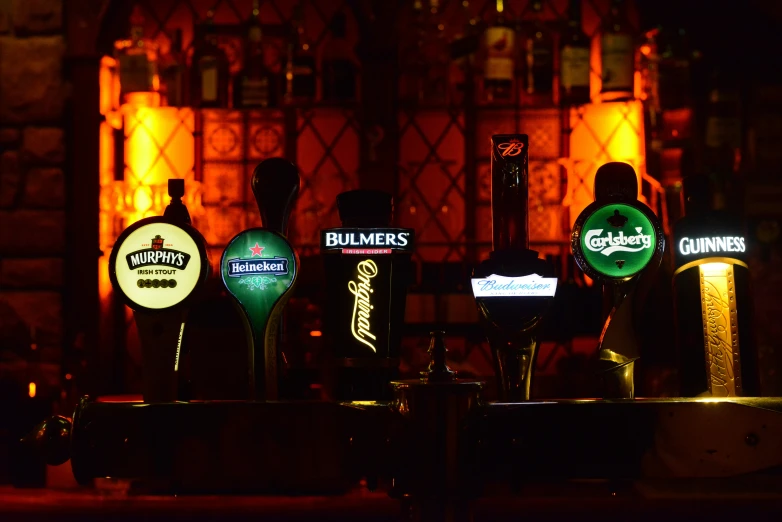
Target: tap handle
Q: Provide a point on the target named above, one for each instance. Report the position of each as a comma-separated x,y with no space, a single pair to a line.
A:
176,210
438,370
616,180
275,185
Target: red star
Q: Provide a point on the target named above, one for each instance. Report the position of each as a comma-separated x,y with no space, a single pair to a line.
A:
256,250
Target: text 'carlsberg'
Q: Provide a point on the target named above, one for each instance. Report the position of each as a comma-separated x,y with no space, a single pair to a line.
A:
620,243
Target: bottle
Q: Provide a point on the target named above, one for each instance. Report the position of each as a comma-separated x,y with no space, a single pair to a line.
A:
462,51
367,264
413,65
498,71
574,59
255,85
209,72
338,63
173,73
300,82
435,52
617,55
138,59
717,355
538,45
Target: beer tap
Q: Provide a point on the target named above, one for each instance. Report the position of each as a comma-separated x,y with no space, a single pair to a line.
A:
618,241
514,287
157,267
259,269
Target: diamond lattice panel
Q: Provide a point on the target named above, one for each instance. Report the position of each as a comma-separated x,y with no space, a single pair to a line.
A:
431,183
232,144
601,133
328,159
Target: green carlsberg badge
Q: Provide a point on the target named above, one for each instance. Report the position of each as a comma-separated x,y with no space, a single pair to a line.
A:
618,240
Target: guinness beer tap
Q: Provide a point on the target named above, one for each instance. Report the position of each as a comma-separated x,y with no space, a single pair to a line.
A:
514,287
367,265
259,269
157,266
717,355
618,241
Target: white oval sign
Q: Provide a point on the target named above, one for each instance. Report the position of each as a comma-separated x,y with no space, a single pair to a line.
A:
158,265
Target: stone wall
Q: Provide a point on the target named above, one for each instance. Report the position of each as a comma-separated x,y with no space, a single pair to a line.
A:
32,191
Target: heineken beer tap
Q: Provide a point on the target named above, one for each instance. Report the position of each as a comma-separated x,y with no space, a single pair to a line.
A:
514,287
717,356
367,264
259,268
157,266
618,241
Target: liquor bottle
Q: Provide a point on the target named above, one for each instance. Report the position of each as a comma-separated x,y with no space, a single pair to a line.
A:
173,73
538,46
462,52
138,59
209,72
413,64
338,63
367,267
711,281
574,59
435,52
255,85
498,70
300,85
617,55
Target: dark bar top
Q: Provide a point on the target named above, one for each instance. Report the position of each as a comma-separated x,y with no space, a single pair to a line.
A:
743,498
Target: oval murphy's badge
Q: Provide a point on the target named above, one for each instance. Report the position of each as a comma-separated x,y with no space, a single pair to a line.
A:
156,264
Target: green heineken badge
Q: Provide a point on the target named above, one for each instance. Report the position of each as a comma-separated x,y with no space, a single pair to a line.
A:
258,268
615,240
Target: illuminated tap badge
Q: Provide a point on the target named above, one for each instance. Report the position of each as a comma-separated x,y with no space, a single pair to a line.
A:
257,267
531,285
367,241
155,264
616,241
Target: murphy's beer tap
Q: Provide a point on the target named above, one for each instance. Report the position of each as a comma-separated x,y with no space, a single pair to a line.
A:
259,268
717,356
618,241
367,265
157,266
514,287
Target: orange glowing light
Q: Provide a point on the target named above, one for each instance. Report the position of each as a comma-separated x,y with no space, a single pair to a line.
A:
316,333
31,389
601,133
68,376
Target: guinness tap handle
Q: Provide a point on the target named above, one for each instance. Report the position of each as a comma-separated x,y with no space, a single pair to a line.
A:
275,185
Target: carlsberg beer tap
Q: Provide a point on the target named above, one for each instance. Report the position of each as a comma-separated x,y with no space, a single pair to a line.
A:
717,355
618,241
367,265
514,287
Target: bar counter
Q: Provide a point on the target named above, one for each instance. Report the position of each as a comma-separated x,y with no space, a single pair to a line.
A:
757,497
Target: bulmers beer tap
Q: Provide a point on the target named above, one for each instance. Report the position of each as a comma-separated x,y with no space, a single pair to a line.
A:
157,266
618,241
259,268
514,287
367,263
713,312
